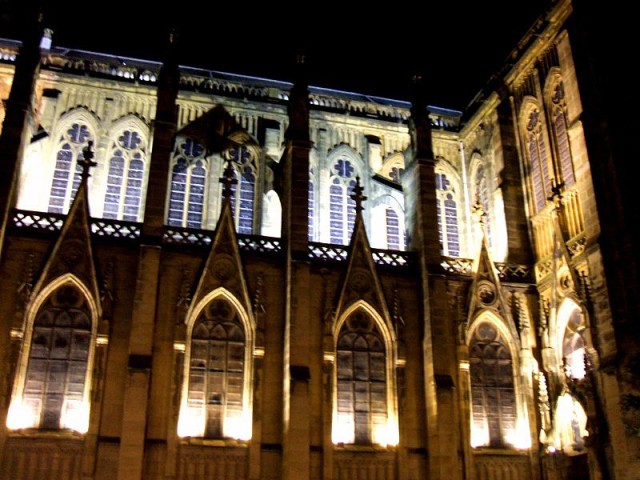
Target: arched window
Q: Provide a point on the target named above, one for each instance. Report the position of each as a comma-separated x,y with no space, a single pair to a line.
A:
66,176
243,197
127,161
187,197
447,206
342,212
538,160
55,390
311,210
215,392
361,382
562,136
394,240
493,399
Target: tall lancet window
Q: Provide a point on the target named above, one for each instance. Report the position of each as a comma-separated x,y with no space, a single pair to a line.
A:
244,192
215,394
392,223
538,160
447,216
493,399
66,176
362,410
126,174
342,211
55,393
562,136
311,207
188,179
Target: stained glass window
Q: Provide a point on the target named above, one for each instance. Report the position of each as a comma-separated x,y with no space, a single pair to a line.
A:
361,380
127,161
188,186
393,229
448,233
342,211
493,399
217,368
311,211
58,361
65,184
538,161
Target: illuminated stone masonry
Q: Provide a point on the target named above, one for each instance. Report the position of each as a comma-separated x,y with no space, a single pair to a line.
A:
265,280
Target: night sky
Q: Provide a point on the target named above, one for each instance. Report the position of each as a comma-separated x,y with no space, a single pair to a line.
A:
456,45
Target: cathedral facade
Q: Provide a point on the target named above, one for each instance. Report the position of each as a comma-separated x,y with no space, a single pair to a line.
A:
207,275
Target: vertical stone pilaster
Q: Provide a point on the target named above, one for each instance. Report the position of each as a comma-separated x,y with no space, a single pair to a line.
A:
518,247
296,418
16,122
143,316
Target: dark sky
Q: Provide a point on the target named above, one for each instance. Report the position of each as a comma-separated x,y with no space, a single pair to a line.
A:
457,45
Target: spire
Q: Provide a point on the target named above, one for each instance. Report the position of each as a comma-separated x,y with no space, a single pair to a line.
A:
357,196
298,108
228,180
419,123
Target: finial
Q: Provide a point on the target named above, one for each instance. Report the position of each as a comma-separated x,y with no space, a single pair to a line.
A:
357,195
228,180
557,194
86,162
478,212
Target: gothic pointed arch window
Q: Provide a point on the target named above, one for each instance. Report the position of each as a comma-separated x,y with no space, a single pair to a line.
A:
244,192
342,212
66,175
216,390
392,230
539,170
448,219
362,383
52,386
561,134
126,172
493,395
311,205
188,185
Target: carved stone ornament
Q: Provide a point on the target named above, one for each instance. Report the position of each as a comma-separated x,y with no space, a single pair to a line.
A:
486,293
223,268
361,281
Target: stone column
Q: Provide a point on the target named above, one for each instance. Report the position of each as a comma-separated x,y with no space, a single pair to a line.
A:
419,185
296,415
16,122
143,316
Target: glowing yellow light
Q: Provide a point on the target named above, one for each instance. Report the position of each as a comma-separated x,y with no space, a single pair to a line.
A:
384,432
237,426
571,425
519,437
479,434
21,415
191,422
575,364
343,429
76,416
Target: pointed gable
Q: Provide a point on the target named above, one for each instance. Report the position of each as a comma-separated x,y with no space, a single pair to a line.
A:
361,281
223,267
73,251
486,290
